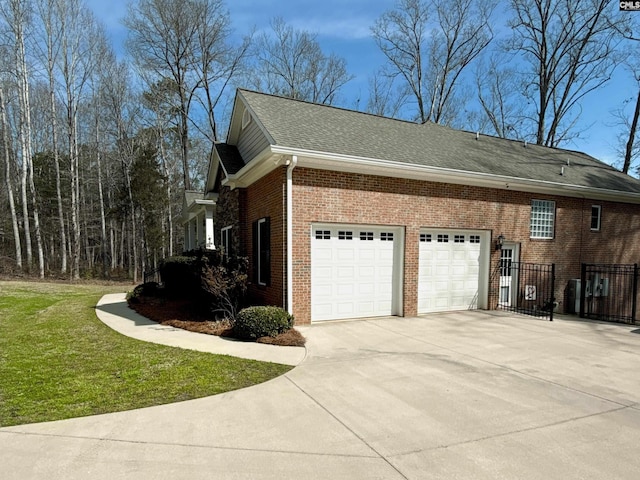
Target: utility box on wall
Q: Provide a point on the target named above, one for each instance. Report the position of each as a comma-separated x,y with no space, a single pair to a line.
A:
596,287
573,296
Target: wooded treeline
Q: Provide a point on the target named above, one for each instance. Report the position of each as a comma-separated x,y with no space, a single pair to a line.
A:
97,148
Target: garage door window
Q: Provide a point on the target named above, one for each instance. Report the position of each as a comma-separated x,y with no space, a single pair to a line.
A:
443,238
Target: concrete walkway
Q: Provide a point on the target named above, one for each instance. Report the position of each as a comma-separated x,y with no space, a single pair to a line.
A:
464,395
113,310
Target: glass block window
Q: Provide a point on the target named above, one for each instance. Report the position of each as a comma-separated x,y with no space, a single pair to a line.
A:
386,236
345,235
366,235
542,218
425,237
474,238
443,238
323,235
458,239
596,211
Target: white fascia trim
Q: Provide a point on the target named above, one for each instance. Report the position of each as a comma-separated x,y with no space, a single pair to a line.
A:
195,208
370,166
257,168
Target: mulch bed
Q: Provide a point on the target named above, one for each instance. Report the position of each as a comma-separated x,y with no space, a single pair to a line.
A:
182,314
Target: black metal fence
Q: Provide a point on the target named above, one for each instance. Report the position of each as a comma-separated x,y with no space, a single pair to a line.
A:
526,288
610,292
152,275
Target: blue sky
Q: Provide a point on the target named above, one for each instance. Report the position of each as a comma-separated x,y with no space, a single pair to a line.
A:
343,27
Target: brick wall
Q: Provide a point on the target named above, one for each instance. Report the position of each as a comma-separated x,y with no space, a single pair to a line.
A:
333,197
266,198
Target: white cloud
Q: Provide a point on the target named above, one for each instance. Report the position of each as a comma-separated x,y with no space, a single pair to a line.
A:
344,28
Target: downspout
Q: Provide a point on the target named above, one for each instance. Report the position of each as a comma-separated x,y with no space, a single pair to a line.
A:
291,164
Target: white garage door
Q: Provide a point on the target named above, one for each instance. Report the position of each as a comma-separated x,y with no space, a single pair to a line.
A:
352,271
449,270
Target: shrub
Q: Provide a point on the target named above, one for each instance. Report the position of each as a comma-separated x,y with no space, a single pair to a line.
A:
151,289
255,322
179,275
214,282
224,284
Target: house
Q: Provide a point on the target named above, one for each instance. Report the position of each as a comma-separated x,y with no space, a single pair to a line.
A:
345,214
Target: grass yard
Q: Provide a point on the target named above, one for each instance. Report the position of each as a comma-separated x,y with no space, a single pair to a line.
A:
57,360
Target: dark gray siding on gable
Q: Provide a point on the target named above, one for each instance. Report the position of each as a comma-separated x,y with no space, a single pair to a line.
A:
252,141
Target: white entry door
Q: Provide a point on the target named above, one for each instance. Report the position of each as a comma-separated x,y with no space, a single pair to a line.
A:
508,275
353,271
450,270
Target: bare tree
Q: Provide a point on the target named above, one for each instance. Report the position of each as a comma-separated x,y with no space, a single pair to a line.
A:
79,35
629,147
50,12
385,98
8,175
430,54
217,63
188,44
629,32
291,63
501,108
17,16
570,47
632,149
106,66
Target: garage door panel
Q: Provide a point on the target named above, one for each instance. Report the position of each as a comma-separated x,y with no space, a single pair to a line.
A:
366,271
358,263
366,289
449,270
366,254
345,308
345,254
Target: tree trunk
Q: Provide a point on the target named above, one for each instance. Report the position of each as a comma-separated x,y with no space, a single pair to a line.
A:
21,73
54,140
165,171
103,222
632,136
12,206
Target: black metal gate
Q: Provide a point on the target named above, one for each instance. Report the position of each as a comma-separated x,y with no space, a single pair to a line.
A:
609,292
524,288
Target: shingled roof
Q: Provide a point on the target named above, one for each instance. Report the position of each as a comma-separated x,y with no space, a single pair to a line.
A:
324,129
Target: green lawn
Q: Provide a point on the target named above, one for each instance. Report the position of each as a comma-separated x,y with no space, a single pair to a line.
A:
57,360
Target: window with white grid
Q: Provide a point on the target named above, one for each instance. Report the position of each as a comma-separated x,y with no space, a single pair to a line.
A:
542,218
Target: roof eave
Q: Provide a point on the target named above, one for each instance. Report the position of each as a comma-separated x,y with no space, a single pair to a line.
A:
371,166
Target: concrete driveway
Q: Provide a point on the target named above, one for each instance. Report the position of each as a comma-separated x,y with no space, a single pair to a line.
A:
465,395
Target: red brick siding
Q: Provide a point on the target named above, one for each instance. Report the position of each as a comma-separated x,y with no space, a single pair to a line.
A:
333,197
266,198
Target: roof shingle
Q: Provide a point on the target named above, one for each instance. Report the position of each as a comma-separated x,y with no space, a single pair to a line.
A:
319,128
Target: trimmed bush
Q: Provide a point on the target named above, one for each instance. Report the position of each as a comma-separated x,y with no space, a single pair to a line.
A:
255,322
180,275
214,282
150,289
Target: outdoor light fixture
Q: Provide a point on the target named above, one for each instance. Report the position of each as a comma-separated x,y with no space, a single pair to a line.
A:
499,242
